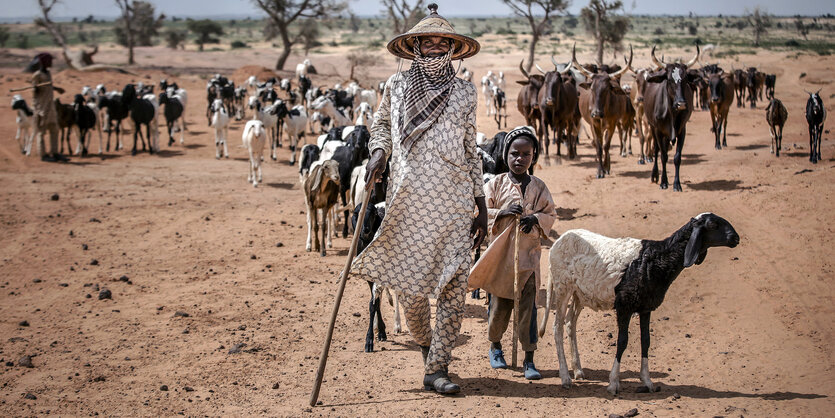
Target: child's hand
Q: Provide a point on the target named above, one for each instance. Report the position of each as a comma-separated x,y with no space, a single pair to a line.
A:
527,223
511,210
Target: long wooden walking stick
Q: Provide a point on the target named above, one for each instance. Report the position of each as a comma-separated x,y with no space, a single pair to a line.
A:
29,87
516,291
323,358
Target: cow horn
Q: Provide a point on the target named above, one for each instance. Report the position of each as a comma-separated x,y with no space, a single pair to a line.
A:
655,60
582,69
539,68
553,61
696,58
522,69
566,69
624,69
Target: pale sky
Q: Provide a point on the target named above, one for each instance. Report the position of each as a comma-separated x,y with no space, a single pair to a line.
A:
10,9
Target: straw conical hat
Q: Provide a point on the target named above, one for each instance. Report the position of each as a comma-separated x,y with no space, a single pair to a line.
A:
433,25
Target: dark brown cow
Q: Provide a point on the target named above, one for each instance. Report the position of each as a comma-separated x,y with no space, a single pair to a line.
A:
741,83
625,127
776,116
668,98
770,81
602,104
721,97
754,84
527,102
557,101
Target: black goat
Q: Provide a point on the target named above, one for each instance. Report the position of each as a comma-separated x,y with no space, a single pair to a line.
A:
815,116
211,95
116,111
310,154
341,100
349,156
66,120
304,85
492,155
85,119
142,112
173,112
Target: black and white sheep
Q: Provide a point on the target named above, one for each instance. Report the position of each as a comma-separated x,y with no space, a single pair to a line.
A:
143,111
629,274
815,117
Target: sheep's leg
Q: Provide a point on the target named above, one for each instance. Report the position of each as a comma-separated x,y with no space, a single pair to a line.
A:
623,340
315,222
779,141
182,130
225,147
217,144
381,325
373,308
559,321
573,316
346,214
645,351
260,157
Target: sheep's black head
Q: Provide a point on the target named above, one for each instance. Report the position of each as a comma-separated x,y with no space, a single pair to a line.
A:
709,230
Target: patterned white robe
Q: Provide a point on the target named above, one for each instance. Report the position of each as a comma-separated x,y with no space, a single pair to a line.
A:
424,241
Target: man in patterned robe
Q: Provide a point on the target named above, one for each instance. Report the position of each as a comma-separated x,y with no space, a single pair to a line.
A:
426,124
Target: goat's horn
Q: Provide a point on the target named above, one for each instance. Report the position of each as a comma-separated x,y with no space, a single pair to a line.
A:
655,61
582,69
695,58
624,69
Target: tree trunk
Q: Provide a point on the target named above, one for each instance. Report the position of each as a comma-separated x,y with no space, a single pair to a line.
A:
599,37
532,51
756,36
130,55
287,46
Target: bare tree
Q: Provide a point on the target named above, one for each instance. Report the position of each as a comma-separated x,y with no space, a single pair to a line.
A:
404,15
760,21
802,29
282,13
126,6
144,24
81,60
604,25
538,13
360,58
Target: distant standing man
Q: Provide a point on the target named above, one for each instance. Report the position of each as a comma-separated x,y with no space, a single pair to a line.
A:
43,104
426,124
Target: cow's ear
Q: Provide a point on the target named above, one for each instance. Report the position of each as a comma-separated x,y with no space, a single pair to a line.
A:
523,82
585,85
657,76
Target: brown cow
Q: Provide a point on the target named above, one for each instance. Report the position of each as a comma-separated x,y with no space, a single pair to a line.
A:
637,96
755,83
527,102
741,82
602,104
557,101
776,115
668,98
721,96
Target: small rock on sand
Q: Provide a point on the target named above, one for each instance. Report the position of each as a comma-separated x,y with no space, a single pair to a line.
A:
105,294
29,395
237,348
25,361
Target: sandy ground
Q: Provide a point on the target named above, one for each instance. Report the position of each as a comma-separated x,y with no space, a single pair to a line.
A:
747,333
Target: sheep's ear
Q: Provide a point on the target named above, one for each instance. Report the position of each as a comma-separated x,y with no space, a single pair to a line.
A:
317,178
694,247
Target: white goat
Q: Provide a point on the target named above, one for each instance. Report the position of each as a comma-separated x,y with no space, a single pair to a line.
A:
487,90
301,69
254,138
466,75
326,106
294,121
220,120
25,129
265,114
364,115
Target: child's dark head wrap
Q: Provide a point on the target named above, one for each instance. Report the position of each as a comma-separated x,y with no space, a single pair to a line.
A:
525,132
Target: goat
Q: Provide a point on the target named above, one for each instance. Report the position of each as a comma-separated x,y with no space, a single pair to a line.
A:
324,122
487,91
327,106
173,113
66,120
25,131
374,215
253,139
220,120
173,90
240,95
309,155
815,117
143,111
364,115
776,116
85,119
266,115
466,75
116,111
629,274
321,191
295,119
302,68
492,155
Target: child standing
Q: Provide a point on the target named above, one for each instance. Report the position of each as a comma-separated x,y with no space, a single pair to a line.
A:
511,195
